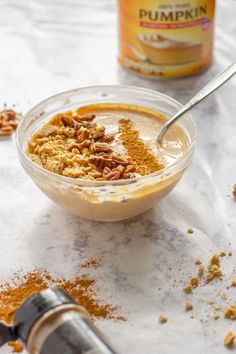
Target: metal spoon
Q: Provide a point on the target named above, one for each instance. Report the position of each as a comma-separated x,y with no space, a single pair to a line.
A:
219,80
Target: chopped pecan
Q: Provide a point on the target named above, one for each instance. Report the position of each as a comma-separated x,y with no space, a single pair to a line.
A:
82,134
77,126
8,122
6,131
129,175
85,144
119,161
87,117
101,147
8,115
110,175
106,172
101,162
130,168
68,121
107,138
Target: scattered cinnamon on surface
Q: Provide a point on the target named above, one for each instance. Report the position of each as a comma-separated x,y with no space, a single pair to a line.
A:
82,289
138,152
94,262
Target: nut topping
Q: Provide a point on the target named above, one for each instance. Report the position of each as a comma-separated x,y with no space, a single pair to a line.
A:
8,122
72,145
101,147
82,134
102,162
87,118
107,138
68,122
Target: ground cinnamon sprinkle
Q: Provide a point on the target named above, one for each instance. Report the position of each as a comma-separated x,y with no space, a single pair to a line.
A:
94,262
137,151
13,293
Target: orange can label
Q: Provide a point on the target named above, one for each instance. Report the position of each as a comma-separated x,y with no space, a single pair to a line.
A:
166,38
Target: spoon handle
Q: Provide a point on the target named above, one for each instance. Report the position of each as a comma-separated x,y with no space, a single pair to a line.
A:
219,80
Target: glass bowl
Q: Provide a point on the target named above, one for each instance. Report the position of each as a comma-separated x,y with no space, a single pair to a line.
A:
99,200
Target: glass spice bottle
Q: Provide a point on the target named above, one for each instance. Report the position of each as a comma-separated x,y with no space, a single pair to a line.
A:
51,322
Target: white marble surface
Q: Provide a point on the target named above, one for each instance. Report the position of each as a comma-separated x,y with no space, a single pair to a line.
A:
52,45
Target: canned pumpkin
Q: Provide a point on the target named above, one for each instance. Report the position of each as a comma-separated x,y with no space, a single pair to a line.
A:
166,38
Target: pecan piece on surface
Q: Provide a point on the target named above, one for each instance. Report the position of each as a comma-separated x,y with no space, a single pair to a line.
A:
68,121
8,114
4,131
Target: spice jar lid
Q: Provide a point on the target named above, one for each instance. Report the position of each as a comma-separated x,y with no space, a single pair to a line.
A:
37,305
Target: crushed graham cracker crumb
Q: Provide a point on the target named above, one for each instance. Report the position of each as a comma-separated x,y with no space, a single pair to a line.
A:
201,269
222,254
162,319
190,230
188,306
194,282
230,312
217,308
197,261
214,270
216,316
210,302
188,289
229,339
234,191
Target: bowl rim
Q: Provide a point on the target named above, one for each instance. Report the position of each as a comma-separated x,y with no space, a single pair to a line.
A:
93,183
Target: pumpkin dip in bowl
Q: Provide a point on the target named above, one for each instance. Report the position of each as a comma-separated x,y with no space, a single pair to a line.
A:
93,150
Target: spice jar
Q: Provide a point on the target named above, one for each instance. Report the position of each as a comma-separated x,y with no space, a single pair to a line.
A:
166,38
51,322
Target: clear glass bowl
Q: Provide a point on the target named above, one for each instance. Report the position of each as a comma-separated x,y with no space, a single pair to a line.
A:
99,200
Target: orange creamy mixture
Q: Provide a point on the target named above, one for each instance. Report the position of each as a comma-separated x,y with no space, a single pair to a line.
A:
105,142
